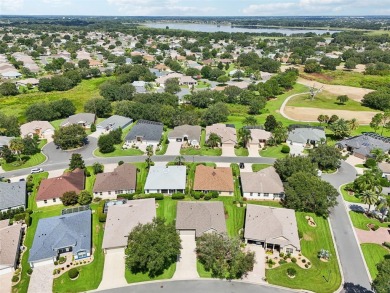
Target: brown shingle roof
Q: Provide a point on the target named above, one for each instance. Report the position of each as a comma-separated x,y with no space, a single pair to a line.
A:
263,181
124,177
210,178
9,243
56,187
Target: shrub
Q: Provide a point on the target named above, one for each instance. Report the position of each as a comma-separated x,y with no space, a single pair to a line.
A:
291,272
156,196
73,273
300,234
120,163
55,263
29,271
376,227
386,244
214,194
282,261
102,216
178,195
15,279
303,260
306,265
281,254
196,195
370,163
207,196
62,260
285,149
293,259
129,196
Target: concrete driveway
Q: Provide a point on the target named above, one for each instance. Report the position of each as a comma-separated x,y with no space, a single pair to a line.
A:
173,148
228,150
41,280
258,273
253,150
186,264
6,283
114,269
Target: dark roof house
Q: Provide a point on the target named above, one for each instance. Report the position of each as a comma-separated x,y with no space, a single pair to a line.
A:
124,177
114,122
12,195
145,130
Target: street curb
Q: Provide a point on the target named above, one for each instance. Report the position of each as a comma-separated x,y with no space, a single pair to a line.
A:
338,258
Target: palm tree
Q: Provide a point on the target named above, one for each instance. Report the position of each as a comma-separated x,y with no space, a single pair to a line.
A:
321,118
149,154
353,124
244,135
379,154
214,140
179,160
384,206
17,146
250,120
370,180
369,197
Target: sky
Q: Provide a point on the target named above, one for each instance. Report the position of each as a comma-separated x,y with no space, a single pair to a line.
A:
195,7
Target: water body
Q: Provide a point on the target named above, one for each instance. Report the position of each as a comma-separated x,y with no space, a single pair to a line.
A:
212,28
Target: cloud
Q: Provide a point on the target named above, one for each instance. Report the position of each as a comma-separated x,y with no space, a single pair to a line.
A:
159,7
11,5
57,3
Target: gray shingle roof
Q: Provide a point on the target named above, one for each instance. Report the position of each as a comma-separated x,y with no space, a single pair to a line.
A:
87,118
364,144
161,177
263,181
12,194
201,217
191,131
302,135
148,130
59,232
114,122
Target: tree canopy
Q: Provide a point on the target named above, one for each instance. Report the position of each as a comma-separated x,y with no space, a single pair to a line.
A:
290,165
326,157
69,137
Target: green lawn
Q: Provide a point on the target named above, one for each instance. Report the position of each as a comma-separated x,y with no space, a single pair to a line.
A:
91,274
323,277
202,271
235,215
141,176
267,203
202,85
17,105
326,100
140,277
37,178
167,209
373,255
360,221
203,150
258,167
273,152
90,181
28,161
119,152
349,197
56,123
241,152
164,145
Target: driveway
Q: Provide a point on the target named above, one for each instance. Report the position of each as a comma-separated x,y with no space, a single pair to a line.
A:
296,149
379,236
228,150
258,272
186,264
41,280
173,148
114,269
6,283
253,150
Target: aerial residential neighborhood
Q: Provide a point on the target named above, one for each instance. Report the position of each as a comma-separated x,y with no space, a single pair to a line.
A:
194,153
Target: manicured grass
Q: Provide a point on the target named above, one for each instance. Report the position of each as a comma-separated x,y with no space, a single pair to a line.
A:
258,167
167,209
373,255
203,150
241,152
267,203
90,181
349,197
360,166
164,145
273,152
91,274
235,215
78,95
202,271
326,100
360,221
323,277
37,178
202,85
141,176
140,277
56,123
119,152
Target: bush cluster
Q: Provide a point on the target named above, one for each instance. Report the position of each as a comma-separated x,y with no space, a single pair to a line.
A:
73,273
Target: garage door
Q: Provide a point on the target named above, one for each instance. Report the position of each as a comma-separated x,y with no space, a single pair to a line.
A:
187,232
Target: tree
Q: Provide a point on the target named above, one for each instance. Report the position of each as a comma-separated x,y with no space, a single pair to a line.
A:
6,154
223,256
152,247
326,157
106,144
9,125
223,79
97,168
381,283
215,114
69,198
333,119
343,99
85,197
83,63
270,123
256,104
232,93
30,146
376,121
76,162
350,64
321,118
8,89
16,146
353,124
149,154
312,66
308,193
279,134
250,121
205,71
172,86
99,106
244,136
69,137
290,165
379,154
341,128
379,100
370,180
214,140
179,160
369,197
63,108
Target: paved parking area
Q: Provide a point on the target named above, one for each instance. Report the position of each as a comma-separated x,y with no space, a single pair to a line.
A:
41,280
173,148
6,283
114,269
258,273
228,150
186,264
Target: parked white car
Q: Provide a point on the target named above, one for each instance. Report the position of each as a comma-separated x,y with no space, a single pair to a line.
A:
36,170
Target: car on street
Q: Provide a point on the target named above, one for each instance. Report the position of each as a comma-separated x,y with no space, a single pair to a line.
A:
36,170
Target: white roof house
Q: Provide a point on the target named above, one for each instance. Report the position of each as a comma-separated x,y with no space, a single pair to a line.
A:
166,180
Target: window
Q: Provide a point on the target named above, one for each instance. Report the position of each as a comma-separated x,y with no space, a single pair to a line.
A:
54,199
251,194
101,193
266,194
259,194
289,250
45,201
109,193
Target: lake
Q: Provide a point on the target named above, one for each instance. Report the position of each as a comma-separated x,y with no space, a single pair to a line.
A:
212,28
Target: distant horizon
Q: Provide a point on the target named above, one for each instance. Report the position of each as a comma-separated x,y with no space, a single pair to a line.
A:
193,16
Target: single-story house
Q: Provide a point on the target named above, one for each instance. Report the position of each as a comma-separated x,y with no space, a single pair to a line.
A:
166,180
12,195
5,140
214,179
306,135
162,79
11,74
122,180
197,218
186,133
259,136
62,234
50,190
121,220
264,184
149,132
187,80
362,145
24,82
272,228
83,119
227,133
42,129
10,243
112,123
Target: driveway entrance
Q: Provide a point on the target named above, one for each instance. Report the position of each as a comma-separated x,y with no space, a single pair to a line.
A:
258,273
114,269
186,264
228,150
253,150
173,148
41,280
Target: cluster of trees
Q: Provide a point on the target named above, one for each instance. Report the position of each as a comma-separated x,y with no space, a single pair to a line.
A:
107,142
70,137
340,127
381,283
255,62
53,110
379,99
8,89
380,121
9,125
70,198
20,147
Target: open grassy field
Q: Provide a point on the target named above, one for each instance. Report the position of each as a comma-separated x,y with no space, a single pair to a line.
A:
360,221
322,277
373,254
86,90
